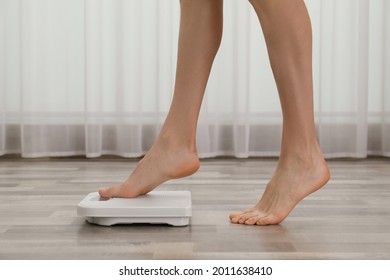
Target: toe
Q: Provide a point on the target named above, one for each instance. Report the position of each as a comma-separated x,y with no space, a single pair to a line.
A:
235,219
233,215
251,221
238,214
269,220
110,192
243,218
263,221
103,193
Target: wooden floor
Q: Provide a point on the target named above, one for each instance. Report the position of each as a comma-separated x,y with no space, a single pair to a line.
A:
348,219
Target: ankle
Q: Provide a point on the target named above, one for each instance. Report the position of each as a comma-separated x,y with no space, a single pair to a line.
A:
308,156
172,140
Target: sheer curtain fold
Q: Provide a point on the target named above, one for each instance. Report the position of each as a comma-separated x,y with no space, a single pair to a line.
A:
343,80
96,77
385,124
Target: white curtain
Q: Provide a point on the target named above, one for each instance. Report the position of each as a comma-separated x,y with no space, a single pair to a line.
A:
94,77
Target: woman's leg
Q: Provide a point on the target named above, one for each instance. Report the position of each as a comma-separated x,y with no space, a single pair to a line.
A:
174,153
301,169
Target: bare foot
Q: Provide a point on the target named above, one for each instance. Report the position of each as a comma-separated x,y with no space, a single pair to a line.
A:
164,161
294,179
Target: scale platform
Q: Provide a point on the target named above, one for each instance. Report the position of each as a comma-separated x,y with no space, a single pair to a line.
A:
156,207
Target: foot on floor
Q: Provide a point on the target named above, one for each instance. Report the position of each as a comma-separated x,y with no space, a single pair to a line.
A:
293,180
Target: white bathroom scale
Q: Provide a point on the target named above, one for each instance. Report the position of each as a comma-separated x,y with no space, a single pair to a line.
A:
156,207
